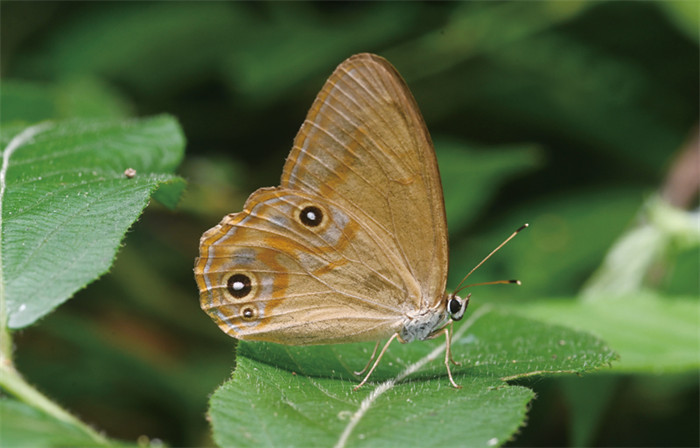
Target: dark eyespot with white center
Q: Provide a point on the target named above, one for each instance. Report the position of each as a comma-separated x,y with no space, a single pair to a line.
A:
311,216
239,285
249,313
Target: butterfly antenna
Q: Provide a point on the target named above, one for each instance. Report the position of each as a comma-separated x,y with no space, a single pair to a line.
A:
497,282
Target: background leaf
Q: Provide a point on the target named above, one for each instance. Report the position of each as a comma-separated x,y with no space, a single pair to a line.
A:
652,334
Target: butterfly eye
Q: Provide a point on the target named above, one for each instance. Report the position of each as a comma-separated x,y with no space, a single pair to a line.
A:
311,216
456,306
239,285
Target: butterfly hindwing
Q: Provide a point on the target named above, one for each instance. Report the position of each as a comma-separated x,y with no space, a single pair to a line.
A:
297,269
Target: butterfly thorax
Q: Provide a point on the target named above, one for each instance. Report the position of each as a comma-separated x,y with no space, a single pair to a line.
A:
422,326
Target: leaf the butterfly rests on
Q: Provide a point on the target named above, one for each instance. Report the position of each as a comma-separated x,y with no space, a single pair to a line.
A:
352,246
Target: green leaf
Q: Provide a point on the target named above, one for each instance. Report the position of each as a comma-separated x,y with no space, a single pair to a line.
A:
67,203
24,426
282,395
653,334
265,406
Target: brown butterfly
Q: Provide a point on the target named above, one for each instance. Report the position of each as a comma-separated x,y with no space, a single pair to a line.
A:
352,246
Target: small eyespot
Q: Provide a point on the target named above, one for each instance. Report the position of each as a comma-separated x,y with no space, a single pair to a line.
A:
311,216
249,313
239,285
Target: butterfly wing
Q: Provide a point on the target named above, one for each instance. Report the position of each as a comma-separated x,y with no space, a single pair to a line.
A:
364,146
296,269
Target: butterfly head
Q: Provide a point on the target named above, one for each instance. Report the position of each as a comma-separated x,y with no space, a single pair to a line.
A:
456,306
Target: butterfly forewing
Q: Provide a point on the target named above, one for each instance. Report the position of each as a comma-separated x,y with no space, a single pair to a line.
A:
365,147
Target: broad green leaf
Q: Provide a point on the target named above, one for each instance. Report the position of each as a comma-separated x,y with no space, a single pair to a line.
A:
24,426
67,203
471,175
682,274
264,406
297,396
652,334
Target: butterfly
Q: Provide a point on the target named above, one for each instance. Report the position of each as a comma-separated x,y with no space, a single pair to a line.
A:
352,246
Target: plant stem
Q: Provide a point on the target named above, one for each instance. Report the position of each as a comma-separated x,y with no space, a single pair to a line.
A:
5,338
5,341
12,383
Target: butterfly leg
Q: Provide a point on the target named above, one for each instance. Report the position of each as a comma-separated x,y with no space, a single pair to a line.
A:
447,330
448,356
386,346
449,346
371,358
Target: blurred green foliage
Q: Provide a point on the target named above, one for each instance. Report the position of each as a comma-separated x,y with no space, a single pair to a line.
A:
573,111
